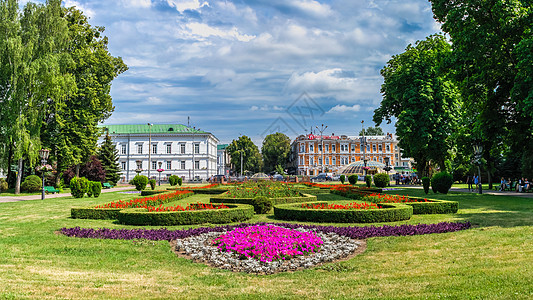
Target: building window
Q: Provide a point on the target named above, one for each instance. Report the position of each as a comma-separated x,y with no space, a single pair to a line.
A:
123,165
139,165
353,158
182,148
388,148
320,160
123,149
396,148
353,148
301,160
169,165
319,148
327,148
373,147
140,149
154,165
169,148
302,148
311,161
333,148
183,165
154,148
380,148
367,147
196,148
197,164
334,161
311,148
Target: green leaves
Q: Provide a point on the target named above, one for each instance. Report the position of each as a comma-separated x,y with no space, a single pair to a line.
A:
276,149
251,158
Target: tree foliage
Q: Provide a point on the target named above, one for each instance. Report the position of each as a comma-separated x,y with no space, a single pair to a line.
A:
275,150
252,161
420,93
108,156
372,131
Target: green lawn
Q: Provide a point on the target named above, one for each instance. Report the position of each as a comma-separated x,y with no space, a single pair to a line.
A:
491,261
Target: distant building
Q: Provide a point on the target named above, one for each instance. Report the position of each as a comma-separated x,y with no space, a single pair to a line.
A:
313,154
179,149
223,160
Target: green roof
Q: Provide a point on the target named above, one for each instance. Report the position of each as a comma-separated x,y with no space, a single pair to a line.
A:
155,128
222,146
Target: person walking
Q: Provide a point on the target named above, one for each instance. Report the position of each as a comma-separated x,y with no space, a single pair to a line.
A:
476,180
469,182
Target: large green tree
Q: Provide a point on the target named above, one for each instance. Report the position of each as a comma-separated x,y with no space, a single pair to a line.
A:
492,55
419,92
275,150
372,131
251,157
108,156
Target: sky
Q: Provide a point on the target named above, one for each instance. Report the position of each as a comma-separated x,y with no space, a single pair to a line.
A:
255,67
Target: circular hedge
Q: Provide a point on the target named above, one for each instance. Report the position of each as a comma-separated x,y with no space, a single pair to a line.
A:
389,212
141,216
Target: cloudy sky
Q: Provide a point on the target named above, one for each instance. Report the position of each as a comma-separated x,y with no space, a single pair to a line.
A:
255,67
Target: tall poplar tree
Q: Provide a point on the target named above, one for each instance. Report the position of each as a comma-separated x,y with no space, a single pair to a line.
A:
275,151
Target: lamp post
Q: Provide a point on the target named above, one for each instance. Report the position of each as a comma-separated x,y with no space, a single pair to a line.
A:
478,150
159,170
321,129
43,153
149,147
387,167
363,142
241,160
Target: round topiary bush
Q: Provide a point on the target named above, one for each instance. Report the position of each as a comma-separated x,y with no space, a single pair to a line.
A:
368,180
140,182
3,185
79,187
32,183
352,179
342,178
442,182
425,184
152,184
173,180
381,180
261,204
96,188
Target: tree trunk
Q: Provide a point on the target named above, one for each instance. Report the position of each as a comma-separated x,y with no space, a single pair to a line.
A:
489,178
9,171
19,177
77,170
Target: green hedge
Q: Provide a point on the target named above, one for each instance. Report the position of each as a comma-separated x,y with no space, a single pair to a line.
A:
140,216
434,206
150,192
209,191
223,199
389,213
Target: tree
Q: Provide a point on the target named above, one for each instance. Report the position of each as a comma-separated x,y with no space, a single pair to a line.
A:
92,170
108,156
372,131
250,155
419,91
275,150
492,56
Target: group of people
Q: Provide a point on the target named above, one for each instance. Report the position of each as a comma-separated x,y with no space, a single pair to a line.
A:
406,178
472,181
522,185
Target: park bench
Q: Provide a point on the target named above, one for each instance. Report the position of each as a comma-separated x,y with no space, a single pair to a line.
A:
50,189
107,185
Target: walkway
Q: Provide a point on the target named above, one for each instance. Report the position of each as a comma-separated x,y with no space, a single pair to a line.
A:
38,197
461,190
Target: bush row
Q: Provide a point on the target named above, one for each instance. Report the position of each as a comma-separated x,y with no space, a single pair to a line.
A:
388,213
79,186
140,216
154,192
224,199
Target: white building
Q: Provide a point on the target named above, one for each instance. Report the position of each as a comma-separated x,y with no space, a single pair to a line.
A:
223,160
175,148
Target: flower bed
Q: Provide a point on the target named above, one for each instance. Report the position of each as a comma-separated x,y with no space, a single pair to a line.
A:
299,212
110,210
353,205
268,242
355,232
213,188
263,188
141,216
225,198
190,206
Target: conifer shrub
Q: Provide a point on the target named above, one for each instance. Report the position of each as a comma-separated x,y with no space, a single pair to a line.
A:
261,204
96,188
342,178
79,186
381,180
31,184
441,182
368,180
352,179
425,184
3,185
152,184
140,182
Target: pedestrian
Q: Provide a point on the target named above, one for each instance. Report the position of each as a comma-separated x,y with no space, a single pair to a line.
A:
469,182
476,180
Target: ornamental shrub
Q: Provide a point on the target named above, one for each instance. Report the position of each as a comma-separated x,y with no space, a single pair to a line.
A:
381,180
140,182
342,178
442,182
96,188
152,184
352,179
262,204
3,185
174,179
180,180
90,189
79,186
425,183
368,180
32,183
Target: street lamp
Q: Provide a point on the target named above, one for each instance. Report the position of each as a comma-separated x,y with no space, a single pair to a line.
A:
149,147
387,167
363,142
478,150
43,153
321,129
160,170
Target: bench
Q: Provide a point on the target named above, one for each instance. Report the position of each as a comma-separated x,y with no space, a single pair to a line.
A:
50,189
107,185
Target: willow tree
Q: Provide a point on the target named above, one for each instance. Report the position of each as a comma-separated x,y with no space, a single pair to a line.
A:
419,91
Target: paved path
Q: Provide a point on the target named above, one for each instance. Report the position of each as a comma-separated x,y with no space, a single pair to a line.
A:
488,192
38,197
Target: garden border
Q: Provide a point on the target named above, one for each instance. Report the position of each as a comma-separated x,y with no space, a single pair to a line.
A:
303,198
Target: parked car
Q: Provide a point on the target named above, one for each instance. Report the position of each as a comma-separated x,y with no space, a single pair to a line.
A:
336,178
321,177
277,177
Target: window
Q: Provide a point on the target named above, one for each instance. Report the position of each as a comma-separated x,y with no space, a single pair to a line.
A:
169,148
334,161
123,165
123,149
373,147
311,148
353,148
154,165
154,148
327,148
353,158
197,164
319,148
380,148
302,147
333,148
396,155
139,165
395,148
311,161
301,161
196,148
183,165
139,149
320,160
388,148
368,148
182,148
169,165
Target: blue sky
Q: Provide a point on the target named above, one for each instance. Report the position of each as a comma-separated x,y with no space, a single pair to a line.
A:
255,67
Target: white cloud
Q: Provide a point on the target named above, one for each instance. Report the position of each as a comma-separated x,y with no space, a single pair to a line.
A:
137,3
341,108
312,7
183,5
87,11
205,31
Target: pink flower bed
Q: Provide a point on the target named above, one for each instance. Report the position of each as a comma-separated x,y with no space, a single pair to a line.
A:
268,242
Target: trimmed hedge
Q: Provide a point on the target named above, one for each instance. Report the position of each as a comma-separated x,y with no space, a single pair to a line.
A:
140,216
225,200
150,192
388,213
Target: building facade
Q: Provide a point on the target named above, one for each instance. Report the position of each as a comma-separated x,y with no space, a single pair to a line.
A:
223,160
176,149
313,154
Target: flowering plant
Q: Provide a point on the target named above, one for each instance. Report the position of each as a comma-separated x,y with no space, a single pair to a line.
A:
268,242
366,168
189,207
147,201
384,198
43,168
267,189
352,205
160,170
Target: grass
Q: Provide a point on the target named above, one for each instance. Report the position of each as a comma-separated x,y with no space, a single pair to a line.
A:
490,261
